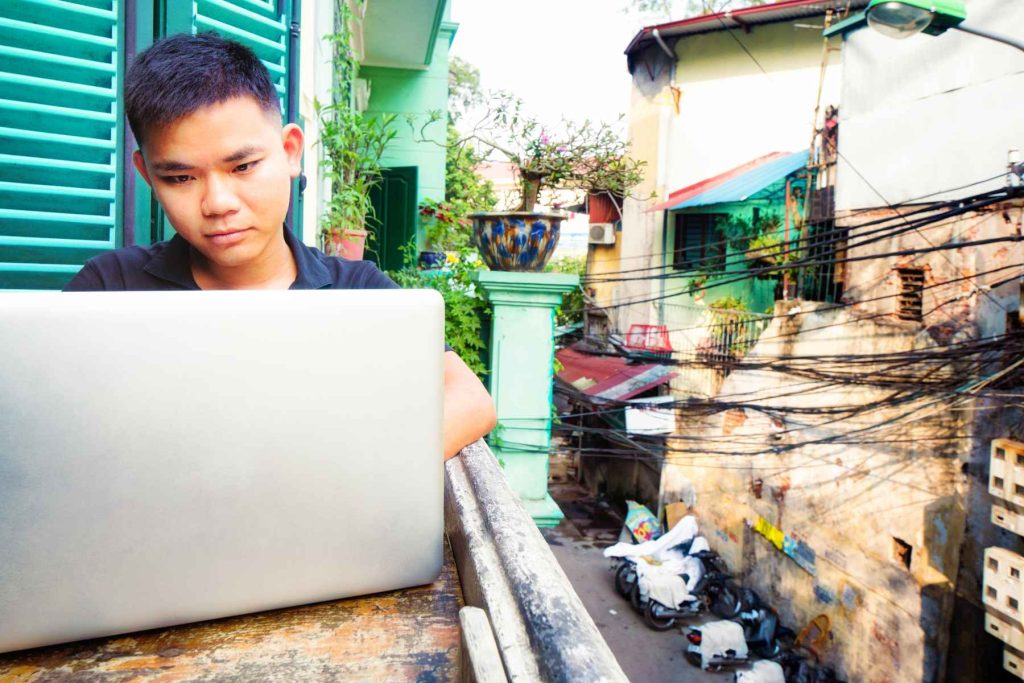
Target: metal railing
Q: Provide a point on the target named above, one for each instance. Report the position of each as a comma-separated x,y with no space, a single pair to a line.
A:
711,336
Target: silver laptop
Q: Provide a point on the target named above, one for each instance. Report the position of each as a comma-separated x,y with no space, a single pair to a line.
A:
170,457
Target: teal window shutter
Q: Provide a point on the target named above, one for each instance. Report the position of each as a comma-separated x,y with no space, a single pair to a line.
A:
60,72
261,25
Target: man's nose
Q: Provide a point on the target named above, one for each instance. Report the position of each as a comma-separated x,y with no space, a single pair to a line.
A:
219,197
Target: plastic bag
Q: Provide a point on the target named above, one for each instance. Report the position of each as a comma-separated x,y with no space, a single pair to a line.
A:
641,522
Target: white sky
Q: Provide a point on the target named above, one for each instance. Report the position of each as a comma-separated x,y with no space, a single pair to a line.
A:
564,58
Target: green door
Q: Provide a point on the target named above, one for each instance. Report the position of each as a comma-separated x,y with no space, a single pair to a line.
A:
394,221
60,151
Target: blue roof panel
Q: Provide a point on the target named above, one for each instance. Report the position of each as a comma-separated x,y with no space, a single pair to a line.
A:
742,187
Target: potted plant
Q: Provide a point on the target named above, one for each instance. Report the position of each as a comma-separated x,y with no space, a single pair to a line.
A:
588,158
352,146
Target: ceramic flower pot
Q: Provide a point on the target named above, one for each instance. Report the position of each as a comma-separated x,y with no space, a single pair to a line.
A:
430,260
348,244
516,240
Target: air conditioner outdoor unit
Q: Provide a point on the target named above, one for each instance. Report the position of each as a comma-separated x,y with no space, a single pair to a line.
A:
602,233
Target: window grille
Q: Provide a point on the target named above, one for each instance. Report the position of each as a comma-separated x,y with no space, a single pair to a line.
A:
909,302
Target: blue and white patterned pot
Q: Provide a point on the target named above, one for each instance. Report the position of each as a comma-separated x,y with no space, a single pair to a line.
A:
516,240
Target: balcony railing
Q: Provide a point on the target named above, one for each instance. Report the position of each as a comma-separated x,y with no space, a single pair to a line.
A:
711,336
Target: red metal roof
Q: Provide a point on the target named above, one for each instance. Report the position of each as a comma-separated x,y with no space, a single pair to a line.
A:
614,379
743,19
681,195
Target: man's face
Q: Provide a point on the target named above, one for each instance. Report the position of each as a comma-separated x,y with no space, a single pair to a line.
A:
222,175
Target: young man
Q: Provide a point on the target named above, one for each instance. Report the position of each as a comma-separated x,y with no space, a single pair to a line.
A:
211,146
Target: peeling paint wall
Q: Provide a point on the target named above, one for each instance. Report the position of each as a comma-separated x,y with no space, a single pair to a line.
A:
838,507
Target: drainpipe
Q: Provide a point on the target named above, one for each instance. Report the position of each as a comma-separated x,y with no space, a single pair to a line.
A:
661,43
293,61
662,167
293,104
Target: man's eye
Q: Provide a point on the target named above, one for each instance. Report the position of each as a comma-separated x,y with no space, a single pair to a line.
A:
177,179
247,166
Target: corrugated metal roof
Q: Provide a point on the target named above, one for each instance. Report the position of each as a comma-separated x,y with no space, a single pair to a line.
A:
744,185
610,377
743,19
685,193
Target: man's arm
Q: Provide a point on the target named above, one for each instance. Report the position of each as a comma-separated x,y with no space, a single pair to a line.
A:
468,408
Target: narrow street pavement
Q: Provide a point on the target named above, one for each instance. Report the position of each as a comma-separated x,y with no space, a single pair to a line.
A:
645,655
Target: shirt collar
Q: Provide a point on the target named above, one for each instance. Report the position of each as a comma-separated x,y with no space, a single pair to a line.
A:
311,271
174,264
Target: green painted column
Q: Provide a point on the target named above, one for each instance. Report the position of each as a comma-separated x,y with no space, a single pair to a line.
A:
522,360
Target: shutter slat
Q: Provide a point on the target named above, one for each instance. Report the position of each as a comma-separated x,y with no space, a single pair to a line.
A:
273,25
50,84
36,109
74,8
60,164
75,140
47,57
66,34
37,268
240,34
57,190
52,217
267,6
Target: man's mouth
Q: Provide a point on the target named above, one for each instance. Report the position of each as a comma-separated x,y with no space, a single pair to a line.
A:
227,237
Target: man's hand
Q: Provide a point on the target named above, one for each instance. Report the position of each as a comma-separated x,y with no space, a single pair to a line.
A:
468,408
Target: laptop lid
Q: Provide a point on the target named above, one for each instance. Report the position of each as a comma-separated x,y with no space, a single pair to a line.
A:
169,457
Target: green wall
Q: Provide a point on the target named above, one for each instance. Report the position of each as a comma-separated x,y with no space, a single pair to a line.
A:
759,295
416,93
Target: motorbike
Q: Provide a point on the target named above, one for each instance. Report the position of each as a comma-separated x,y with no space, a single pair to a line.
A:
714,592
798,667
716,645
762,633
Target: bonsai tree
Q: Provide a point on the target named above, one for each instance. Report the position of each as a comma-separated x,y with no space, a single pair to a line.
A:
587,157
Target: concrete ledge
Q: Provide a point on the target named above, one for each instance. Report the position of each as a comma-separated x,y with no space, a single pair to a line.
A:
541,628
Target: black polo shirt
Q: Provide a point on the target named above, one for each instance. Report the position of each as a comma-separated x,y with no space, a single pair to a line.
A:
168,266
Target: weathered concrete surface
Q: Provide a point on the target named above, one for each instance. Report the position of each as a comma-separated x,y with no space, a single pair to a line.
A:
404,635
541,627
843,499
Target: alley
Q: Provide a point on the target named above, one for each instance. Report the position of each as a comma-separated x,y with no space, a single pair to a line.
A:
645,655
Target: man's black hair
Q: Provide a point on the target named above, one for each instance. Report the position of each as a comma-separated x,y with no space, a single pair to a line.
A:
181,74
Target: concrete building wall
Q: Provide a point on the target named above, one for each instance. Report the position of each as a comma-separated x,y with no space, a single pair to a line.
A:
848,491
416,94
729,112
315,81
911,106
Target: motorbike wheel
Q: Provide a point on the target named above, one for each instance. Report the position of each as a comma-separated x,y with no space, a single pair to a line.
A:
767,650
655,620
693,658
625,579
634,597
725,603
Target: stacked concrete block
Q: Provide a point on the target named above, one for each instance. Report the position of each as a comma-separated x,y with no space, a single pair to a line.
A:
1003,586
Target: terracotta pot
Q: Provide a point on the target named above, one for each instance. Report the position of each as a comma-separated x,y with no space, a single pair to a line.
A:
348,244
516,240
602,209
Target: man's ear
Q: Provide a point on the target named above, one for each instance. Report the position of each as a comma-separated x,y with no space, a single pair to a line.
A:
291,139
140,165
